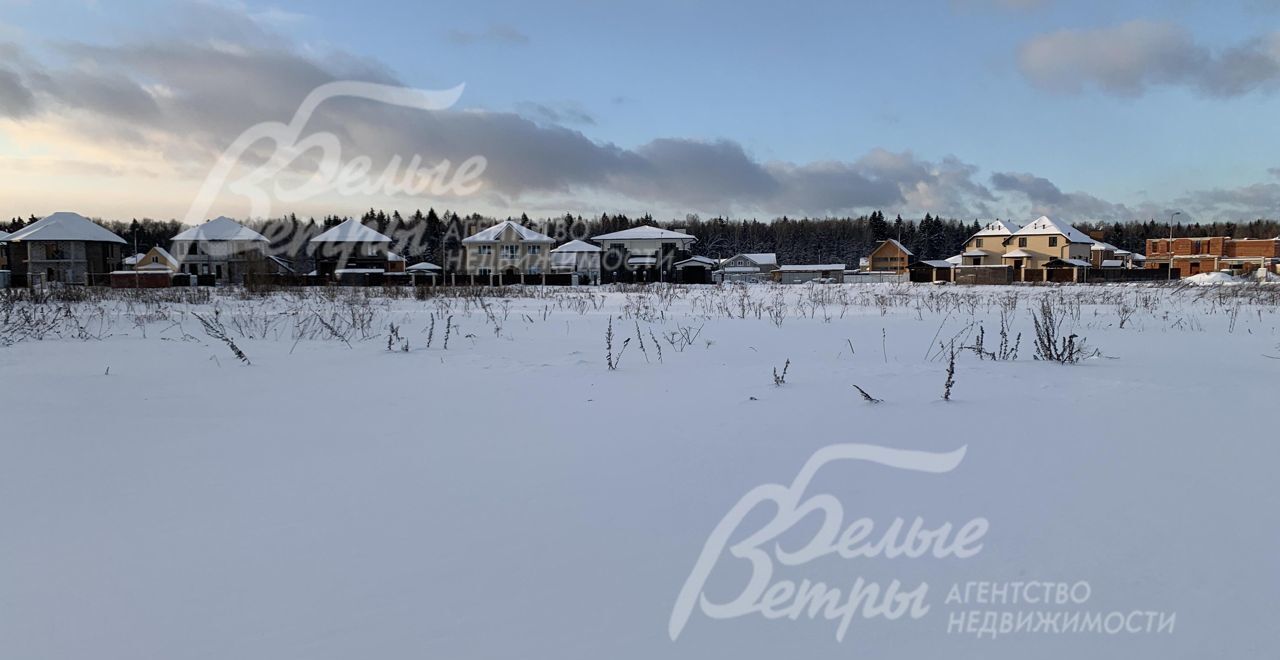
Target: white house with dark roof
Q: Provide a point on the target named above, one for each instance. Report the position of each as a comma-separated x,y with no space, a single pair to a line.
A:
508,249
63,247
223,248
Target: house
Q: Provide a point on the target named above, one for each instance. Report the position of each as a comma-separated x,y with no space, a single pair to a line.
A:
63,247
890,257
507,249
130,262
748,267
986,246
4,258
577,257
1209,254
396,263
222,248
695,270
1106,255
350,246
801,273
157,258
1044,240
651,250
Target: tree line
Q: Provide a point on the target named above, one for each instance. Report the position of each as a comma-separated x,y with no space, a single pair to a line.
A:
794,240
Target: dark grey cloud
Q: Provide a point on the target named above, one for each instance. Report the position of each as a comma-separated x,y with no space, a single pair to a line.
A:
1127,59
16,100
1046,198
496,33
559,113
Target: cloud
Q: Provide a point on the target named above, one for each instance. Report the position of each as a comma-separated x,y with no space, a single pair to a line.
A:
560,113
496,33
1046,198
1127,59
16,100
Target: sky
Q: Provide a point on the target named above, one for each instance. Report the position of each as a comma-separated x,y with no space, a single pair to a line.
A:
974,109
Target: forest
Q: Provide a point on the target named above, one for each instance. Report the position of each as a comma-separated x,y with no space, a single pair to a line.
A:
795,240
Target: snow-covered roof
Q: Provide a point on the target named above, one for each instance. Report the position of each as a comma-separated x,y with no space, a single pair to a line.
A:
1019,254
392,256
1079,263
956,260
129,261
64,226
1100,246
762,258
644,232
1046,226
1113,263
997,228
641,261
494,233
740,269
4,235
164,254
809,268
358,271
576,246
900,246
700,260
936,263
1138,257
423,266
158,266
351,231
976,253
220,228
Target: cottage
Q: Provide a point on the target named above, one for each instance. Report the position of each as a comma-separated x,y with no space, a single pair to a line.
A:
748,267
931,270
695,270
890,257
800,273
986,246
157,258
1043,240
650,249
221,248
579,258
63,247
350,246
507,249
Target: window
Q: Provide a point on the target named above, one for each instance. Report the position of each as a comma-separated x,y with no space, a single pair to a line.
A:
1053,241
534,270
193,249
484,249
510,251
371,250
155,260
977,242
535,249
1022,242
482,271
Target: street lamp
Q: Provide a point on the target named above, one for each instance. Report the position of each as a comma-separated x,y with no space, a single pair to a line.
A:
1170,269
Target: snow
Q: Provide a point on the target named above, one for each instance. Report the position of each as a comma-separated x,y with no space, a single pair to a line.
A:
1019,253
1113,263
492,234
1222,277
425,265
4,236
511,497
936,263
997,228
761,258
220,228
644,232
351,231
697,260
810,268
1044,225
574,247
64,226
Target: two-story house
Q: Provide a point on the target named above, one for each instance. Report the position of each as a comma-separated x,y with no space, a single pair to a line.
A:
986,246
645,248
1046,240
508,249
222,248
63,247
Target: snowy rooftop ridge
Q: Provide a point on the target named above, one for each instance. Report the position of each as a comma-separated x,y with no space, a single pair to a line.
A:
64,226
643,232
575,246
900,246
998,228
762,258
494,233
351,231
1046,226
4,235
220,228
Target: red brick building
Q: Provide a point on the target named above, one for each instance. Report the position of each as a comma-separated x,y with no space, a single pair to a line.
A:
1212,253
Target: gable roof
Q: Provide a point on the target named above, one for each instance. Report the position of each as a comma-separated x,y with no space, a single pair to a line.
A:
643,232
697,259
896,244
163,254
1046,226
997,228
494,233
220,228
4,235
423,265
64,226
576,246
351,231
935,263
761,258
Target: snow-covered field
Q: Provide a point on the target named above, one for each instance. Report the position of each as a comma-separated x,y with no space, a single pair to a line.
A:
357,493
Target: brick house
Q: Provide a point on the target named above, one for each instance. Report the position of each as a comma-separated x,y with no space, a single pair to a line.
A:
1212,253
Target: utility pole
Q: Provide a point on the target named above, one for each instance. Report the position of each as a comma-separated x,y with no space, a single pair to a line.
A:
1170,270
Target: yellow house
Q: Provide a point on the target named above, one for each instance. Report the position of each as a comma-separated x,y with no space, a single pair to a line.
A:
986,246
1045,240
890,256
157,258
